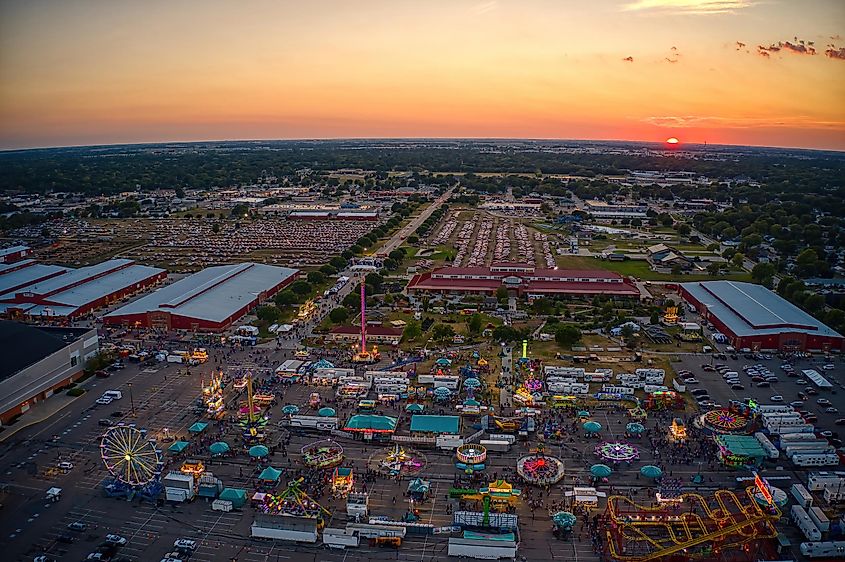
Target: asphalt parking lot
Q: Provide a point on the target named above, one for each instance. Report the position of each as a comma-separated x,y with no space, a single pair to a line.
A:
787,387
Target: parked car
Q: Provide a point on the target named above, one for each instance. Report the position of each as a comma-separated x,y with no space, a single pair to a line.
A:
840,421
77,526
831,410
763,384
102,374
116,540
65,465
737,387
104,400
796,403
185,544
776,398
823,402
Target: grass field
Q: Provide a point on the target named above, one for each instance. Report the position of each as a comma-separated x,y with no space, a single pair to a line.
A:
640,269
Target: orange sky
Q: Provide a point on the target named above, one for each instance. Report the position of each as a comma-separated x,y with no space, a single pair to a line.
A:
96,71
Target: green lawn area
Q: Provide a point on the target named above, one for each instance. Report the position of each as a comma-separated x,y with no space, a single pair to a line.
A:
641,270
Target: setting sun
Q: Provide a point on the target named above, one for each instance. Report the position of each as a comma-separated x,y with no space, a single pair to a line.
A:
672,140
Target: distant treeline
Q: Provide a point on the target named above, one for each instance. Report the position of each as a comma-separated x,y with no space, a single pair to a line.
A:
209,165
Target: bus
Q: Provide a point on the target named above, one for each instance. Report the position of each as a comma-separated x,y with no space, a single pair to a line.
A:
367,405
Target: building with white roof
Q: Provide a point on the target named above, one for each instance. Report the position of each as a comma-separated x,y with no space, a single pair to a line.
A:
46,291
753,317
210,300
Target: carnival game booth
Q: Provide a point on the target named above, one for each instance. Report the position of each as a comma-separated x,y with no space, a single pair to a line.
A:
739,451
371,426
436,425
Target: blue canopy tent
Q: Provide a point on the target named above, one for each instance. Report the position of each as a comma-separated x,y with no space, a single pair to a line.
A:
198,427
600,470
258,451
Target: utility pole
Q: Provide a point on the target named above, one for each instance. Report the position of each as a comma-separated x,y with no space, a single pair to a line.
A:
131,400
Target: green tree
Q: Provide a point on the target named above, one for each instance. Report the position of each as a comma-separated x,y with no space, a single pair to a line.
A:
328,270
412,330
737,259
684,229
442,332
714,268
655,318
506,334
814,303
762,271
285,298
315,277
338,263
301,288
339,315
267,313
215,228
240,210
474,324
567,335
501,294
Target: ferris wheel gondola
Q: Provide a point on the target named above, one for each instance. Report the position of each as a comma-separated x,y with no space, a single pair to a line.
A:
129,456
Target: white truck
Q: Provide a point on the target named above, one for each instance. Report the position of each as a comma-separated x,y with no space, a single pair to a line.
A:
340,538
222,505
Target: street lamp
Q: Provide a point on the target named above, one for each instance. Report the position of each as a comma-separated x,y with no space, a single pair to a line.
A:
131,400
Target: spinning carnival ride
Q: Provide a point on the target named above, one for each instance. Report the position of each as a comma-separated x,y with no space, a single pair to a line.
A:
134,462
470,457
693,529
212,396
616,451
397,460
541,469
724,420
322,454
293,501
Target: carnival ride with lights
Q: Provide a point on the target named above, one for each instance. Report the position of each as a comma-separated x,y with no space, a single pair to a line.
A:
724,420
314,400
470,457
293,501
678,431
397,460
365,355
539,468
252,422
694,528
617,451
134,463
497,496
212,396
342,482
671,317
322,454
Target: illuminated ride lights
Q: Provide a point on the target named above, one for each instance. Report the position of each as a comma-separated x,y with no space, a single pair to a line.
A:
397,460
470,457
293,501
616,451
538,468
129,457
322,454
693,528
724,421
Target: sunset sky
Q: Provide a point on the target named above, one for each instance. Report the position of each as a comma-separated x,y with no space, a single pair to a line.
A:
762,72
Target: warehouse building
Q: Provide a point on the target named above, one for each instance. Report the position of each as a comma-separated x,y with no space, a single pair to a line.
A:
523,280
36,291
210,300
752,316
44,360
14,253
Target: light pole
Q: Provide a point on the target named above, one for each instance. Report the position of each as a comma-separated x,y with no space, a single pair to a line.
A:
131,400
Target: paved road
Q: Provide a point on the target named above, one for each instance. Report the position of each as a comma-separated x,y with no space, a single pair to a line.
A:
402,234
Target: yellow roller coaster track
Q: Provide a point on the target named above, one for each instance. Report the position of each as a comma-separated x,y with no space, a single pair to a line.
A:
689,529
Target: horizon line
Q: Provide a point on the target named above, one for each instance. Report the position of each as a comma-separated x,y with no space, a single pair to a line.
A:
340,139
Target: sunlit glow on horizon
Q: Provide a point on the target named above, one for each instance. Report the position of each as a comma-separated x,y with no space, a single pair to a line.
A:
99,72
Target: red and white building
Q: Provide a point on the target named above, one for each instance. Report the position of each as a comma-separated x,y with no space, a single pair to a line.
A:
14,253
522,279
29,289
752,316
210,300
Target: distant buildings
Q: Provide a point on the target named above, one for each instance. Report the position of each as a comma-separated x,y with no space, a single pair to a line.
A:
14,253
661,256
50,291
751,316
600,210
521,279
210,300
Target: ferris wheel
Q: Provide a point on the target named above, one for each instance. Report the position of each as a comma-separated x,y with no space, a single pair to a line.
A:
129,456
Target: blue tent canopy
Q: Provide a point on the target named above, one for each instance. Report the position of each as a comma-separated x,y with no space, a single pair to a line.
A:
270,474
592,426
600,470
257,451
218,448
327,412
198,427
178,446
